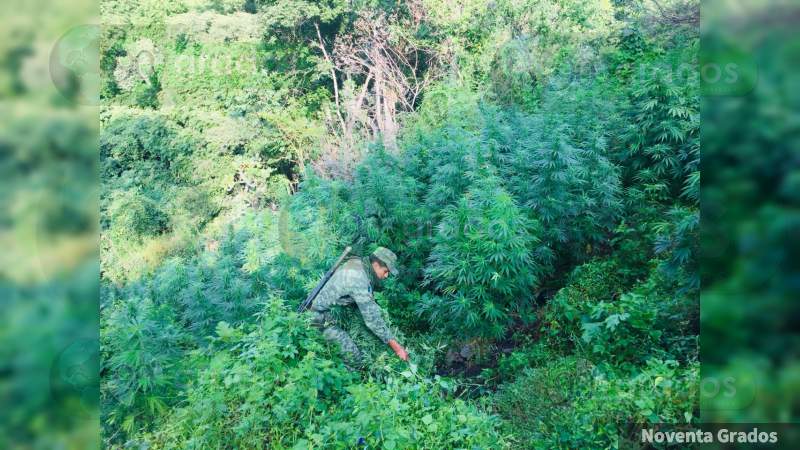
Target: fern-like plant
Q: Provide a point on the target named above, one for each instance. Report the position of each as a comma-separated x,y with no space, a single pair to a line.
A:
559,171
482,264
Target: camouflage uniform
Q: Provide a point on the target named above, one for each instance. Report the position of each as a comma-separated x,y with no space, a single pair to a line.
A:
351,283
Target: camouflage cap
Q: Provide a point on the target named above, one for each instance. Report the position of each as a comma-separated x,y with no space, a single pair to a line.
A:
388,258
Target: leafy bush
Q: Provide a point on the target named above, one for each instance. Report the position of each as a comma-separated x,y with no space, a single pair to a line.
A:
411,414
568,403
563,316
146,94
525,42
317,223
611,318
662,137
127,141
618,331
511,365
535,403
213,285
151,326
384,197
481,263
678,313
402,298
678,243
192,208
662,392
266,380
255,386
558,168
453,158
141,344
134,215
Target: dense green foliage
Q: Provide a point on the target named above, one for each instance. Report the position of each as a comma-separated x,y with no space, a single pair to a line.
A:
534,165
521,56
260,384
750,209
561,404
481,262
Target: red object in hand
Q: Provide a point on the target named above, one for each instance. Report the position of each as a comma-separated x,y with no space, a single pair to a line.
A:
399,350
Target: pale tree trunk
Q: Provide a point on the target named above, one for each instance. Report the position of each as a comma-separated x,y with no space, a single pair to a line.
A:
377,127
390,124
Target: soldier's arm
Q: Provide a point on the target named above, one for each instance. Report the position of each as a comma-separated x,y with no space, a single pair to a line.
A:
371,313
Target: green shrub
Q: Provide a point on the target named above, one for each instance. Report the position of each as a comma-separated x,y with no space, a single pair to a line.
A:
133,215
276,385
678,312
212,286
607,414
192,208
598,279
317,223
536,402
481,263
255,387
511,365
568,403
557,168
554,161
128,141
454,156
601,313
679,244
563,316
631,244
410,414
146,94
662,136
623,330
151,325
111,47
402,299
142,365
384,198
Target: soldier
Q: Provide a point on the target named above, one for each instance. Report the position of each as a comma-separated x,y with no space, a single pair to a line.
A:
352,283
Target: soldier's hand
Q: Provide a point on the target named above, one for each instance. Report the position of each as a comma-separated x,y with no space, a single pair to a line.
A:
398,350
